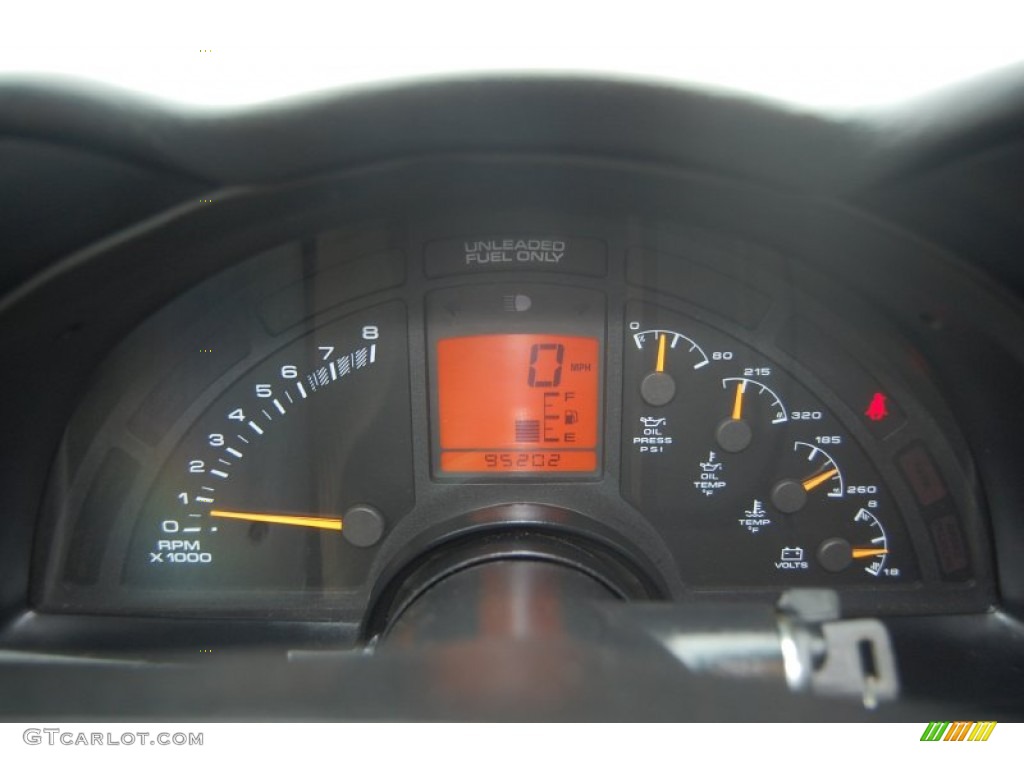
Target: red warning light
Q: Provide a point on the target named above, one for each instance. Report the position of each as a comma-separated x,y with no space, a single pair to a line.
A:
876,408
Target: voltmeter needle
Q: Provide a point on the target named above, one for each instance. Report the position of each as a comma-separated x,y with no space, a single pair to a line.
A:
862,553
329,523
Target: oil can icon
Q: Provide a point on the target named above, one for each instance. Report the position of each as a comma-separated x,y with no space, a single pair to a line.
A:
710,465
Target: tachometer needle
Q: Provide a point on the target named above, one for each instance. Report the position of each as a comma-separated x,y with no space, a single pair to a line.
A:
813,482
862,553
737,404
660,367
329,523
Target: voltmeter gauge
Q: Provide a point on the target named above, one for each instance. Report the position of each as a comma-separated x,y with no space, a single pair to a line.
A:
866,542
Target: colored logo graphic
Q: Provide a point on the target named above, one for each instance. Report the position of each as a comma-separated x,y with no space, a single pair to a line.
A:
959,731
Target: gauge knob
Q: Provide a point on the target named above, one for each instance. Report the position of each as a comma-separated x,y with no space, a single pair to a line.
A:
835,555
789,496
734,435
658,388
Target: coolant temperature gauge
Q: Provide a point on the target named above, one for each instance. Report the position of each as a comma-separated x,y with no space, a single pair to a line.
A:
819,475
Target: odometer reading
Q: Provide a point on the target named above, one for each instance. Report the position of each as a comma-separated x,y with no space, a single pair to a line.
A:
518,403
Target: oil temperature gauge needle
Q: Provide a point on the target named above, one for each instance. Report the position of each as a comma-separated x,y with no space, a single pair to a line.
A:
813,482
861,553
328,523
737,403
734,433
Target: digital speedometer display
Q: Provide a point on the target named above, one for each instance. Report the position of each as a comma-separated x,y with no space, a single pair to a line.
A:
518,403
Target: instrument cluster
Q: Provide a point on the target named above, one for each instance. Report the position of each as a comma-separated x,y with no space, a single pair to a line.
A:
284,437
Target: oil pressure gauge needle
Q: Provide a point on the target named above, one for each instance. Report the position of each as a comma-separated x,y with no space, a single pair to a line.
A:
328,523
658,387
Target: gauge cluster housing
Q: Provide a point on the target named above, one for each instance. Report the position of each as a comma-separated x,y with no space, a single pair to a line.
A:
722,218
144,436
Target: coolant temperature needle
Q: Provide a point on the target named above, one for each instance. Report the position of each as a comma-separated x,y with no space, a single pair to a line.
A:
328,523
862,553
813,482
660,367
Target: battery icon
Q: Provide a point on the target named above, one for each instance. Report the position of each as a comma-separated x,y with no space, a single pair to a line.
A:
792,554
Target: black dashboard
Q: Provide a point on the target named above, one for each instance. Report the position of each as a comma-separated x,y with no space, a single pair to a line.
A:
451,387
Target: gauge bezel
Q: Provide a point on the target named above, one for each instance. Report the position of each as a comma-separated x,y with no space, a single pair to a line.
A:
656,227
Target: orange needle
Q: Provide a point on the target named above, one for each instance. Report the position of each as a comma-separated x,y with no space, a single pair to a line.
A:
813,482
660,367
861,553
330,523
737,404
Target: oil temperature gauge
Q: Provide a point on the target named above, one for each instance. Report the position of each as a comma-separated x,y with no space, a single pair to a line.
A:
735,433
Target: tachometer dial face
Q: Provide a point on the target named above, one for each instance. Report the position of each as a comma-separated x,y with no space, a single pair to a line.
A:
752,479
292,475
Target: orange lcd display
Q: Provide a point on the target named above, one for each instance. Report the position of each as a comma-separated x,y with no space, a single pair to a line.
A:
518,403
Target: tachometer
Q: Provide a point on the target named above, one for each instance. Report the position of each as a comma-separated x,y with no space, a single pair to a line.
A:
289,477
